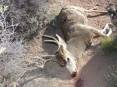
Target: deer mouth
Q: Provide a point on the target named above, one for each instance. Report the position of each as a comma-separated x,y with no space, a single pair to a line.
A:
74,74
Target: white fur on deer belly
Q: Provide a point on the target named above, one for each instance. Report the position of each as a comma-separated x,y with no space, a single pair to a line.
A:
76,47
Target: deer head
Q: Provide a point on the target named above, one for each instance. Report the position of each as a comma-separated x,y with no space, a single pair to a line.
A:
64,57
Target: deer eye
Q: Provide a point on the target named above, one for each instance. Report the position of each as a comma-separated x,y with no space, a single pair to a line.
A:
68,59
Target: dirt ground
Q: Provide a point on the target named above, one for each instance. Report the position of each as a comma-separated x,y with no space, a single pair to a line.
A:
92,69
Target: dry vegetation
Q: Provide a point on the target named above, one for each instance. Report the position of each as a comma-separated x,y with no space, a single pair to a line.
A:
24,61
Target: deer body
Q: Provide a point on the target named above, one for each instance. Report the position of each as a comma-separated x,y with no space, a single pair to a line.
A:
77,36
77,33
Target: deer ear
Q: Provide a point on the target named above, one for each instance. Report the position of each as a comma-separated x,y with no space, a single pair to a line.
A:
61,50
60,55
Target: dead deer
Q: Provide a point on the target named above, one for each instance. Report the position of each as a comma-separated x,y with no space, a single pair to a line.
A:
77,36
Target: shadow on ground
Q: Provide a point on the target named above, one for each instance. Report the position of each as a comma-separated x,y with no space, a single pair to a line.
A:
94,72
49,71
52,30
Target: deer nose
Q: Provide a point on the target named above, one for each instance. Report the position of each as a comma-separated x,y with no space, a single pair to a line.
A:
74,74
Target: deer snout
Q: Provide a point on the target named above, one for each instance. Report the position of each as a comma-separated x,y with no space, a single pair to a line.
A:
74,74
71,66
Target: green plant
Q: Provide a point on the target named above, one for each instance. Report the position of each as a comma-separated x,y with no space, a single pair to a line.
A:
109,45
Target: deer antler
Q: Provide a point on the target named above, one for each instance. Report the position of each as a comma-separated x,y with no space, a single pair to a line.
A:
58,40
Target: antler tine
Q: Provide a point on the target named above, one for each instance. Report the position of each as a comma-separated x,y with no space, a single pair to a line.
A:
61,41
54,40
51,41
50,37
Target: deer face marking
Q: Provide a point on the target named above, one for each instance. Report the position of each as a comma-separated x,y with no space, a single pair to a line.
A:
64,57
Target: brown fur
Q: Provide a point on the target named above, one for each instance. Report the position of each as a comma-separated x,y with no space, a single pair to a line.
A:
77,36
77,33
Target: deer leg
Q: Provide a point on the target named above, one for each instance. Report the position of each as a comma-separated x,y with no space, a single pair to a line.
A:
107,29
97,31
95,10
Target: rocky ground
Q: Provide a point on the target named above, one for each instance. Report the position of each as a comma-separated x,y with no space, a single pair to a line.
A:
30,69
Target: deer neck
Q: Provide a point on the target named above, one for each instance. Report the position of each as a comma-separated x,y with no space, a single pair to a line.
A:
76,47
